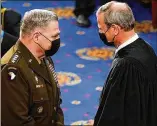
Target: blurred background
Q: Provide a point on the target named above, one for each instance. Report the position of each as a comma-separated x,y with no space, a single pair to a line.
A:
83,61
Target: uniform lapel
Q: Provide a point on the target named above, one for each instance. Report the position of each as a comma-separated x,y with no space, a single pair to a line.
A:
32,62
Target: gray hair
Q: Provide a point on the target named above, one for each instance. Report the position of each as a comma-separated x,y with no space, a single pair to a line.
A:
122,16
36,18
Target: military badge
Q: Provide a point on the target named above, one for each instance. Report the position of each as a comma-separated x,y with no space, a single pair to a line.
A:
12,71
40,109
12,75
15,58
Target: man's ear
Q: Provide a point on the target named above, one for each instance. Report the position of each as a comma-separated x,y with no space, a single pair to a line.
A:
36,36
116,29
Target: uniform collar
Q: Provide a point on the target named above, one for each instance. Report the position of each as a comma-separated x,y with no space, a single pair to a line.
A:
28,56
32,61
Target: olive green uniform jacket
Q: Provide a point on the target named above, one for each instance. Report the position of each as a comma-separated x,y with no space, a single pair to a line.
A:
30,94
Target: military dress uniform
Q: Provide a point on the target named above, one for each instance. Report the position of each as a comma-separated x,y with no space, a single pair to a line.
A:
30,91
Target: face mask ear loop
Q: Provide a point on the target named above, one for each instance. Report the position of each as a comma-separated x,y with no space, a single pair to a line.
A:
39,45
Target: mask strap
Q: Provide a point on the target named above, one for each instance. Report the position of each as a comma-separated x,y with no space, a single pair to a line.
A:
44,36
107,29
39,45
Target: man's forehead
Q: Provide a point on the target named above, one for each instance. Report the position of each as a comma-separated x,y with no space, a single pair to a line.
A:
54,26
100,18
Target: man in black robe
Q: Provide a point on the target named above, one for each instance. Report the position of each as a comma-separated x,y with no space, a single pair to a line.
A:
129,97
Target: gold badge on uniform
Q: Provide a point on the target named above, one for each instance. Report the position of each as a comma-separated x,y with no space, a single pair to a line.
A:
40,109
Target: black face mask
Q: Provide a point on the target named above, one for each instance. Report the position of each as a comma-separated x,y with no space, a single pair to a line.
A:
104,39
54,46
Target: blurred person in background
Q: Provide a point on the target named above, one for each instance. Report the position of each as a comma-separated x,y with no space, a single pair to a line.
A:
10,26
83,9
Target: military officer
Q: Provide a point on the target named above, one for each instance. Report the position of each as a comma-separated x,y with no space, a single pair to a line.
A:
30,92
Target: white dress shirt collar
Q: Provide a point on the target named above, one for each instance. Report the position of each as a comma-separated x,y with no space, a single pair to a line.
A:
129,41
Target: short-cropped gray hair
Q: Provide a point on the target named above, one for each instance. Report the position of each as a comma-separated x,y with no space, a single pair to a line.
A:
36,18
122,16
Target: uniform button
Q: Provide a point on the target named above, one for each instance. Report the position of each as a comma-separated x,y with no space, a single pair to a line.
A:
52,121
55,108
41,98
30,60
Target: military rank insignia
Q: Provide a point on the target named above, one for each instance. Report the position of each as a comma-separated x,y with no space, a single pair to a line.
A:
15,58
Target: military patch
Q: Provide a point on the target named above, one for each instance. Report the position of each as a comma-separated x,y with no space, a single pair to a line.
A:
12,71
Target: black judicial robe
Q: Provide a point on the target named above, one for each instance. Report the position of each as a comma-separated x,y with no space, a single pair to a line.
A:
129,97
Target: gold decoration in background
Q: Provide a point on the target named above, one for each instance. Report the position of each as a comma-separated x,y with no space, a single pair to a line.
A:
100,53
96,53
144,26
63,79
66,12
26,4
80,32
68,79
